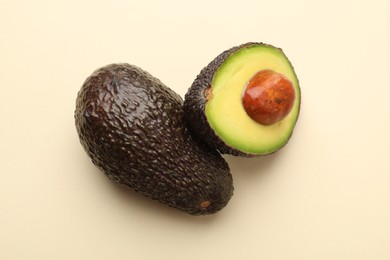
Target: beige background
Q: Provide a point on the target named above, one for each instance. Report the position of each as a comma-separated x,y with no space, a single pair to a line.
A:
324,196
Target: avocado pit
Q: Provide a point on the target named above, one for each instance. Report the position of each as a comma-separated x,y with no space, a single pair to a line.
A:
268,97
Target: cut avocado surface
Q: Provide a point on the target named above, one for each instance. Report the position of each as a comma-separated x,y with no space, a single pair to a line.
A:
225,112
223,84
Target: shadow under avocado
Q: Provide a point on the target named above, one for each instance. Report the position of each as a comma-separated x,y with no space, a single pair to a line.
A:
133,201
249,169
242,167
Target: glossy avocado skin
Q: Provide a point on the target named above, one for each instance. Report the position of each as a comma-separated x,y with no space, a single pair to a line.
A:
195,102
132,127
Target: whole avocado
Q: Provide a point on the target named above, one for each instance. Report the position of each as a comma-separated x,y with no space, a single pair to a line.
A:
132,127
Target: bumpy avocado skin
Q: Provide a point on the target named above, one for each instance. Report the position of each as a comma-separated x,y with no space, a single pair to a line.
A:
195,105
132,127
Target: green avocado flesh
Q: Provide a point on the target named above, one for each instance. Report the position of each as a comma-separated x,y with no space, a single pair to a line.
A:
225,112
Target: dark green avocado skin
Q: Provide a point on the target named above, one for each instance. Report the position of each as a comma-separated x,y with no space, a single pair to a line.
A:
132,127
195,102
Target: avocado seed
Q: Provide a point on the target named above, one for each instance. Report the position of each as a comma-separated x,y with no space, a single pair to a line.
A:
268,97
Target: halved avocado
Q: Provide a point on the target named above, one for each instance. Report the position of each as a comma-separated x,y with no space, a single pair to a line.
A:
245,102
